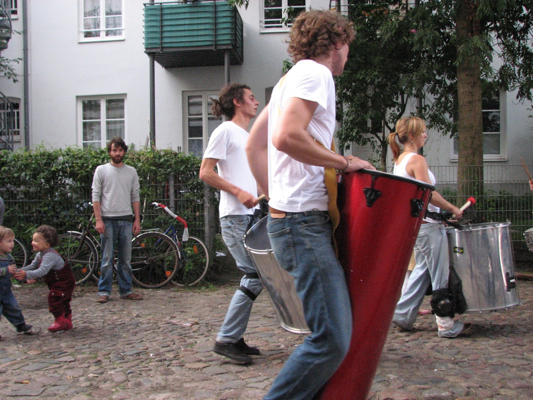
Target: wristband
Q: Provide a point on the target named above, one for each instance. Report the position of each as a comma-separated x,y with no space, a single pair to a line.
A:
347,164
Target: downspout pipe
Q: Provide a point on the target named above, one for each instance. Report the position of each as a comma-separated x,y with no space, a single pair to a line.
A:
26,73
152,97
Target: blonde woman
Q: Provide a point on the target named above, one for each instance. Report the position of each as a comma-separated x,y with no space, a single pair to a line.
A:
431,248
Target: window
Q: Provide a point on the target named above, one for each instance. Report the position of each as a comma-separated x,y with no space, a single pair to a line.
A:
491,123
101,120
13,4
199,121
101,20
275,13
493,132
10,116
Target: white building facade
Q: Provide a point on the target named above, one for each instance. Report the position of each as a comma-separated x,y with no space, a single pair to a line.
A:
87,79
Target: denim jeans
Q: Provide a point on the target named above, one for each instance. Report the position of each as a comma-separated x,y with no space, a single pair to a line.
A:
236,321
302,244
119,233
432,266
9,308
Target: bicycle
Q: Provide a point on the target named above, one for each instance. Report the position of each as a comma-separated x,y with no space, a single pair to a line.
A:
194,257
154,256
80,250
20,253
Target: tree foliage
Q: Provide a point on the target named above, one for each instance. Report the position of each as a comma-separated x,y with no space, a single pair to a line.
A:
402,54
382,77
7,69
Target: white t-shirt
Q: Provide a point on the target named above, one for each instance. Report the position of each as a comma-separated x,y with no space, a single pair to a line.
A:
227,145
294,186
400,170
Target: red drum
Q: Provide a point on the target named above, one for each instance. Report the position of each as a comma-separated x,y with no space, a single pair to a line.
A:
380,218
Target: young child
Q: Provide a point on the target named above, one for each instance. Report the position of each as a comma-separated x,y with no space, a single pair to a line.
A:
57,275
8,304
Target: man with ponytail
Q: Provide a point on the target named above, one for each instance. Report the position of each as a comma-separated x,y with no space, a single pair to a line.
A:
238,200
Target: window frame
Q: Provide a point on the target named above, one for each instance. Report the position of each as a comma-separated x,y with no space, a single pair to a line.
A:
206,114
103,119
14,14
284,5
502,156
102,37
16,126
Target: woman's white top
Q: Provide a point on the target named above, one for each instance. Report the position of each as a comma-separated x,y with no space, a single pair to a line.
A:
400,170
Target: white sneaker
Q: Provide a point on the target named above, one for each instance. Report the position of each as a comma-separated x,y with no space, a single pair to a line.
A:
458,329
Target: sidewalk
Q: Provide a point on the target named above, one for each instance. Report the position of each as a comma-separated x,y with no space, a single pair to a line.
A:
160,348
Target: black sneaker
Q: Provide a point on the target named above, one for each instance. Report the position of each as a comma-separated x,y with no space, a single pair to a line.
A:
252,351
232,351
28,329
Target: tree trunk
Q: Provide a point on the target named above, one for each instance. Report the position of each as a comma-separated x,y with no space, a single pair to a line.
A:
383,159
470,120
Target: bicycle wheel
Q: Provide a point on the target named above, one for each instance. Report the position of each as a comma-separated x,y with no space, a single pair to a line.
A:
194,262
154,259
81,254
20,253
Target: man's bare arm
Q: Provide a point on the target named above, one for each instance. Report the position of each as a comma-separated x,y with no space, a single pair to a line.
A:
257,150
209,176
291,137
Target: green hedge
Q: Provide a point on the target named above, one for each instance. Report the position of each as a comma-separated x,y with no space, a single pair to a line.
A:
53,186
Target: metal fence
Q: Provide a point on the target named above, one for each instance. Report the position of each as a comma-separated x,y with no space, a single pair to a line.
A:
67,206
507,197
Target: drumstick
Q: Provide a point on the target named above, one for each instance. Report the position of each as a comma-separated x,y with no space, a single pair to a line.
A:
470,201
260,198
525,167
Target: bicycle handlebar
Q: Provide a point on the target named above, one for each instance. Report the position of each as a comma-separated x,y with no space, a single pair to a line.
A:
169,212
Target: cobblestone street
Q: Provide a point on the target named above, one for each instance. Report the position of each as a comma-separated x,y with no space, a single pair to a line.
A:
160,348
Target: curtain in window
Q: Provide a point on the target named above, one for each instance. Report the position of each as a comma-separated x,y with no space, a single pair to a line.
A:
91,18
98,22
113,17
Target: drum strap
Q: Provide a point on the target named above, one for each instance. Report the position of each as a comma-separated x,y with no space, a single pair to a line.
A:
330,180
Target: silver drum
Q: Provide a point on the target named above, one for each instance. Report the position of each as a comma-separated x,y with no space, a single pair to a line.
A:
482,255
278,282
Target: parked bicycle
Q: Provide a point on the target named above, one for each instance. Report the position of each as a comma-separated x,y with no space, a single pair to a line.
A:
20,253
194,257
154,256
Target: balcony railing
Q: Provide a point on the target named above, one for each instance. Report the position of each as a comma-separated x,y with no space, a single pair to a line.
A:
193,34
5,25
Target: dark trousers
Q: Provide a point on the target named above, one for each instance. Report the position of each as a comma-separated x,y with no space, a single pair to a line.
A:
61,284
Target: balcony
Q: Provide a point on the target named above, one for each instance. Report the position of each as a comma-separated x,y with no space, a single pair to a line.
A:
193,34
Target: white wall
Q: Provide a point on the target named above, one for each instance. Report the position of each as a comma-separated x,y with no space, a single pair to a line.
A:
62,68
8,87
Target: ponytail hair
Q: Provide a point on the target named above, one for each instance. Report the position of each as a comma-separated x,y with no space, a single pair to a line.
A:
224,106
404,127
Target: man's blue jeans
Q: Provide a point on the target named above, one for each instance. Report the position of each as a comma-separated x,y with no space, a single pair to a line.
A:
302,244
119,233
233,228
